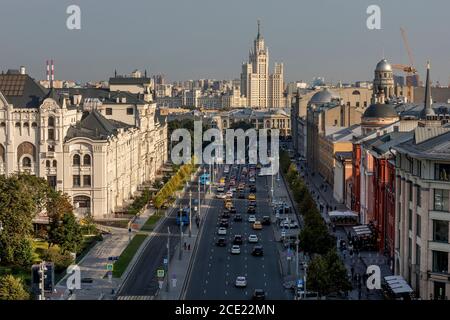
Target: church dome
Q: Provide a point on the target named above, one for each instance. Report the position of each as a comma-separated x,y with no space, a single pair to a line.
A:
322,97
380,110
383,66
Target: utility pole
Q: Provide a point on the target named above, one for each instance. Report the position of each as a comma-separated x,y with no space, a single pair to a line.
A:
296,267
304,279
199,206
168,260
42,276
180,256
190,213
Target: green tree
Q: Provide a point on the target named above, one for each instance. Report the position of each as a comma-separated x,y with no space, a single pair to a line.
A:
12,288
66,232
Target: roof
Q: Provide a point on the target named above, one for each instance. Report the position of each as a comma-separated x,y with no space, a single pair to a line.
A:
383,65
380,110
439,95
21,90
95,126
343,155
384,143
342,134
323,96
129,80
104,95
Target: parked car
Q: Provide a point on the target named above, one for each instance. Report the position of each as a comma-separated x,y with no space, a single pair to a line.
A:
259,294
257,251
237,239
265,221
237,218
221,242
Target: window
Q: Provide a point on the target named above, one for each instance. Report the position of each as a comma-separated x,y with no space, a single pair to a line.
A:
410,219
50,148
418,225
17,124
440,231
440,200
442,171
54,163
47,163
417,255
130,111
357,104
76,160
86,160
76,180
51,122
87,181
418,196
51,134
410,188
109,111
440,261
26,162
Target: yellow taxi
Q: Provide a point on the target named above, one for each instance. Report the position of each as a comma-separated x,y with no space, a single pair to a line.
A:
257,225
251,196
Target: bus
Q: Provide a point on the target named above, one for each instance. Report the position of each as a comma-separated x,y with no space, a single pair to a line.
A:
204,179
183,215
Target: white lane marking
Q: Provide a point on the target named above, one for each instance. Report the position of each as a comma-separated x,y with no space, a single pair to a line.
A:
264,275
204,291
265,284
263,266
209,265
206,281
226,292
246,293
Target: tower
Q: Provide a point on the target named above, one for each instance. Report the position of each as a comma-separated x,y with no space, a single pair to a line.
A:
427,110
384,79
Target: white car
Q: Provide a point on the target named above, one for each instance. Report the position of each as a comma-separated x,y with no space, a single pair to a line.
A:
251,218
220,189
241,282
221,195
222,231
235,249
252,238
229,194
232,189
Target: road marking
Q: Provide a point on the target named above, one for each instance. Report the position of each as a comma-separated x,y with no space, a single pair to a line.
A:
209,265
226,292
204,291
228,274
265,284
264,275
246,293
263,266
206,281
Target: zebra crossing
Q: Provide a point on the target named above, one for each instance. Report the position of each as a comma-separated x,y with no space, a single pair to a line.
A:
135,297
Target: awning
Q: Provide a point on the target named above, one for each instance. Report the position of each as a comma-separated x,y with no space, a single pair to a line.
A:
342,214
397,284
362,230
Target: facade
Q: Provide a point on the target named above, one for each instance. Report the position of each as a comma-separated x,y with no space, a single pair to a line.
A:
343,178
261,89
98,146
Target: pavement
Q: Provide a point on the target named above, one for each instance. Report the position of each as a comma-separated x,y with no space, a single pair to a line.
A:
215,269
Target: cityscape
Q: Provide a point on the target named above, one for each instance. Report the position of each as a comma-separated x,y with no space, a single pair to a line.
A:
125,189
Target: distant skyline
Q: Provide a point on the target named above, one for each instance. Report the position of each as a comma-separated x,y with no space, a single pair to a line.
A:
194,39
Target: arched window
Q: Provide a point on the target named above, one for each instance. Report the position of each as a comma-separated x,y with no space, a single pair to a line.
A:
26,162
34,125
3,124
76,160
47,163
26,124
17,124
2,153
51,121
86,160
356,92
54,163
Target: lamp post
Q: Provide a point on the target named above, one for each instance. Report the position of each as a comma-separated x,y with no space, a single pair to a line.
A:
168,257
180,256
190,213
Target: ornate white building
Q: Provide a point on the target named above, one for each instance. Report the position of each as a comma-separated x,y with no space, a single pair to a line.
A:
96,145
261,89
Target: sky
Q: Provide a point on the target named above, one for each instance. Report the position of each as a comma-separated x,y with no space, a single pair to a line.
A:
194,39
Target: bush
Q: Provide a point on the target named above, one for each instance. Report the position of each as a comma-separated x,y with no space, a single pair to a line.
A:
61,261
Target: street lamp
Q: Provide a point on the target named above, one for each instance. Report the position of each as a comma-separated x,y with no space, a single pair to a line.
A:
180,256
190,213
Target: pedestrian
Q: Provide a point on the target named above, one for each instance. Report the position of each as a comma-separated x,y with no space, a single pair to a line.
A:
189,247
185,246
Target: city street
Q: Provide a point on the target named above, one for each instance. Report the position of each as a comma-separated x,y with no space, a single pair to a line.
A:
215,269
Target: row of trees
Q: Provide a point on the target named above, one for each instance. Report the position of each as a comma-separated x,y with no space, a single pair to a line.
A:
175,183
326,272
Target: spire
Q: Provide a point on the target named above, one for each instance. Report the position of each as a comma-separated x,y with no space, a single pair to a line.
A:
259,29
427,110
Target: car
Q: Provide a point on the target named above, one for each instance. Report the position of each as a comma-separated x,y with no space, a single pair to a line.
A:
225,214
237,218
232,210
232,189
221,242
241,282
251,196
251,209
257,225
265,221
237,239
252,203
229,194
220,189
252,179
241,195
252,188
224,223
253,238
257,251
235,249
222,231
259,294
251,218
221,195
293,225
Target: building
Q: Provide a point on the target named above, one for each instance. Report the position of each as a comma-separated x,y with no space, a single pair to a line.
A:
261,89
98,146
343,178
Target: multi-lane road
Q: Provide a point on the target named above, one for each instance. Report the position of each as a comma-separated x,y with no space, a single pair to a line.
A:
215,269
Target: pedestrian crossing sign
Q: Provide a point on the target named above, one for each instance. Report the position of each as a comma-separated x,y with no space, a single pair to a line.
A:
110,267
160,273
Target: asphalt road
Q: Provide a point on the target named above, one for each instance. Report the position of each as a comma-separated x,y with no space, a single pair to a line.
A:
142,280
215,269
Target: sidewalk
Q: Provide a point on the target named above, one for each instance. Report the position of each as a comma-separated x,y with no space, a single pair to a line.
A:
93,265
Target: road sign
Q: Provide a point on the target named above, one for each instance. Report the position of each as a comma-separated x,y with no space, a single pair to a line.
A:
110,267
165,260
283,233
300,283
160,273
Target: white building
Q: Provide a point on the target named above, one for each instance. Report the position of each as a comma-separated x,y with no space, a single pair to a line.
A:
96,145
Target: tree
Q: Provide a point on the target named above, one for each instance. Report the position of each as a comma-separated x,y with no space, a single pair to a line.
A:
327,274
12,288
66,233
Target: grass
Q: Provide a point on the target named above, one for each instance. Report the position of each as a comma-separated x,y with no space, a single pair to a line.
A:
151,221
125,258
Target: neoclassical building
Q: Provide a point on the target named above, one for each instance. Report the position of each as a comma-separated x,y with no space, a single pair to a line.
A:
97,145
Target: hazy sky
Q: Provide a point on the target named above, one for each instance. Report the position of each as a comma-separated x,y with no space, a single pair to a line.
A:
192,39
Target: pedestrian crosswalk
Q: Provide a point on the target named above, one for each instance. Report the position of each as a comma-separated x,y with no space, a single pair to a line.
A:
135,297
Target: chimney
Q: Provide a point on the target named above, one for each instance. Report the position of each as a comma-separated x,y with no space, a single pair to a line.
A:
22,70
53,72
48,71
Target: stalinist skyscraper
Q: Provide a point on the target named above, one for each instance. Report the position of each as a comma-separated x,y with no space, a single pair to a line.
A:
261,89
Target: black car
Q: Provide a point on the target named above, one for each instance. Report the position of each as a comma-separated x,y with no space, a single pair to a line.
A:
257,251
232,210
241,195
252,188
265,220
251,210
225,215
252,203
259,294
237,239
237,217
221,242
224,223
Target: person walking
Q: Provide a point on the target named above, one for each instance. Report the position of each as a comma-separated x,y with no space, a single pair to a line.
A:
189,247
185,246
